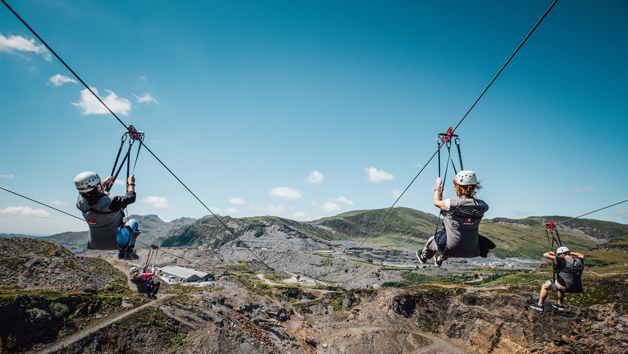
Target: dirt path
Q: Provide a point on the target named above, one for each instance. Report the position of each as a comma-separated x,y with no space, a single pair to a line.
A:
437,346
96,326
124,269
261,276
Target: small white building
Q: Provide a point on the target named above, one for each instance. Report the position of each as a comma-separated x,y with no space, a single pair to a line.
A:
310,282
186,274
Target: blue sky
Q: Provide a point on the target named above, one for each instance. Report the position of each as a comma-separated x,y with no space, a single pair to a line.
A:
244,100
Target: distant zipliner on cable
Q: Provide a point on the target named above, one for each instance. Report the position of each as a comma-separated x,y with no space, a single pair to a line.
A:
104,214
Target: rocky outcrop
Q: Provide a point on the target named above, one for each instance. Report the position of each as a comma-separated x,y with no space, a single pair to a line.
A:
31,264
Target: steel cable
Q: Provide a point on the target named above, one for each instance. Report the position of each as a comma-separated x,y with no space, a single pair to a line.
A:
232,232
466,114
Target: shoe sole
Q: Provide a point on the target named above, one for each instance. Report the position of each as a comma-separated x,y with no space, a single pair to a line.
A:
558,308
536,308
436,261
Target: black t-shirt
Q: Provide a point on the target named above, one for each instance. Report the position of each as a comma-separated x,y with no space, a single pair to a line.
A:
569,273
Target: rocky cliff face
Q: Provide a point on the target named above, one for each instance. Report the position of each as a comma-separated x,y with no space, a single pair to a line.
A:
31,264
424,319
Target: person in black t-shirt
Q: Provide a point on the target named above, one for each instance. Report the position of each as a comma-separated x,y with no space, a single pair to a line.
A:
568,268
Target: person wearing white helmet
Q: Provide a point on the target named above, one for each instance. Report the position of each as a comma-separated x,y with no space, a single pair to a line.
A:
568,267
461,220
104,215
144,282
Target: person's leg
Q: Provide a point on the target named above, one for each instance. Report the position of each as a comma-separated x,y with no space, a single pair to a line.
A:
561,297
544,291
126,242
156,288
430,248
123,237
133,226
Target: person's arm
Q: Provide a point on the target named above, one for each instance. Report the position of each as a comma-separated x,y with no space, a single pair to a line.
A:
437,200
145,276
120,202
549,255
576,254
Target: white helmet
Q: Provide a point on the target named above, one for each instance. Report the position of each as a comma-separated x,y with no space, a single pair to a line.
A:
466,178
562,250
86,181
133,270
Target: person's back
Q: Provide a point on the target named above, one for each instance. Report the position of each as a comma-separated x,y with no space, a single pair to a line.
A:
462,222
105,215
461,219
569,273
102,221
569,266
140,281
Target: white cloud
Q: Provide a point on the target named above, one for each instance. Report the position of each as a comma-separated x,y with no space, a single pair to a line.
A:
215,209
8,176
315,177
231,211
299,215
622,213
271,209
418,164
156,202
328,207
58,202
18,43
396,193
24,210
90,105
581,189
344,200
237,201
119,182
376,176
285,192
59,80
143,77
147,98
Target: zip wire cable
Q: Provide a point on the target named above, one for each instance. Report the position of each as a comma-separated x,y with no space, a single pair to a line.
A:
46,205
504,66
62,62
562,222
81,219
465,116
395,203
125,126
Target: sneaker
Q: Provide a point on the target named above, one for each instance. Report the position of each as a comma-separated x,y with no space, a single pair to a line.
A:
536,307
437,262
120,254
419,255
558,307
131,256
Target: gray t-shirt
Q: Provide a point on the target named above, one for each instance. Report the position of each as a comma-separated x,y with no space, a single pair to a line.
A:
569,273
462,221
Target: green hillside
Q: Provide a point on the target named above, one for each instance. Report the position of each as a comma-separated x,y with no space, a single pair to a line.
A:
402,227
407,228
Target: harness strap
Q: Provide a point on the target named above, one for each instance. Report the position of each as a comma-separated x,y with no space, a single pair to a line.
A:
459,153
137,155
113,169
126,156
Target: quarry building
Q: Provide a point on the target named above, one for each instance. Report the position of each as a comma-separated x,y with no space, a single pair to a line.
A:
186,274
